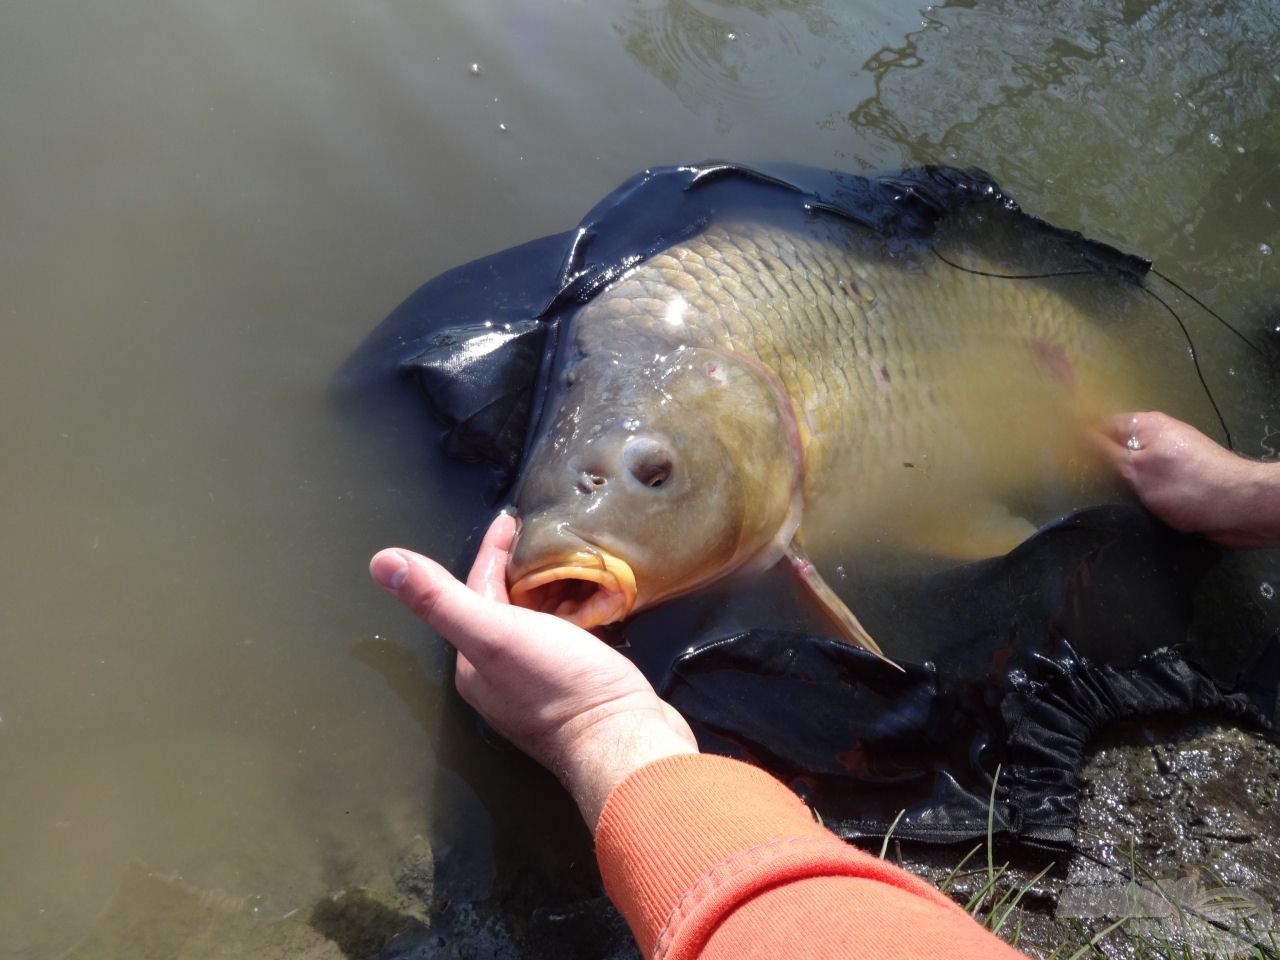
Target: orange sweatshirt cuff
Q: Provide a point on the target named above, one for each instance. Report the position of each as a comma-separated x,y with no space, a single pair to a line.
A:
684,841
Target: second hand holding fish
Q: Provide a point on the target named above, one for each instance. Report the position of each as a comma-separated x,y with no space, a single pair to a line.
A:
1192,483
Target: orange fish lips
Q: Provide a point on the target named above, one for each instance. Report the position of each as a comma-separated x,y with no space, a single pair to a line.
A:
588,589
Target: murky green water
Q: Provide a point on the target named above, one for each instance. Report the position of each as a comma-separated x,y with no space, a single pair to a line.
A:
206,205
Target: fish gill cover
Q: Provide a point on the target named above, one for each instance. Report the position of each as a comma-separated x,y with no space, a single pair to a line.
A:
1007,664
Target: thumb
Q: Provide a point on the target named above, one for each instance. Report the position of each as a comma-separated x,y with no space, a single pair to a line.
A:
428,589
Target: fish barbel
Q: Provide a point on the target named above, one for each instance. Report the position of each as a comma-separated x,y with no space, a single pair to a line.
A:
791,389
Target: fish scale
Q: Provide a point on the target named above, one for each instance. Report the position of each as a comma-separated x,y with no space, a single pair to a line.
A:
786,299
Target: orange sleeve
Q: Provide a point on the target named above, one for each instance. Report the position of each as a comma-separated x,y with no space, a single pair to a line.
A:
711,858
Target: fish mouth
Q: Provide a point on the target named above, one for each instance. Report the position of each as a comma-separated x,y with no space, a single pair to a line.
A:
588,591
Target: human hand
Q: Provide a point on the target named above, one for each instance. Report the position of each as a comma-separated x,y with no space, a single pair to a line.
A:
1192,483
570,701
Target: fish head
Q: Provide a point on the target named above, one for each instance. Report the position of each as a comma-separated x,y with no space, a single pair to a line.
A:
654,479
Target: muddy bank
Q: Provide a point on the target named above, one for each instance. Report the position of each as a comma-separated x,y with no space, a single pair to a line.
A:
1178,841
1198,810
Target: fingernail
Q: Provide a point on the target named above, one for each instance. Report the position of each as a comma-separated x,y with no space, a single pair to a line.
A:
389,568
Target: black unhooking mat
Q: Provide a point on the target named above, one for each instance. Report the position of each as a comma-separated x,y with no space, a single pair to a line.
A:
1018,661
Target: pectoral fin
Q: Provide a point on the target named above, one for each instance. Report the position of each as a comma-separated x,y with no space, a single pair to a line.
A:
851,630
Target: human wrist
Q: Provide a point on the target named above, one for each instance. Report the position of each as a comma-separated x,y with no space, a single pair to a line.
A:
605,752
1254,504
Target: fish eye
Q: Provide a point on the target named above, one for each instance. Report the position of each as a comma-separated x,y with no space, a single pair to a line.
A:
648,461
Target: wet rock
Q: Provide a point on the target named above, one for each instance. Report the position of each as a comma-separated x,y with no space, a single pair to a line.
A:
460,931
361,924
414,872
491,930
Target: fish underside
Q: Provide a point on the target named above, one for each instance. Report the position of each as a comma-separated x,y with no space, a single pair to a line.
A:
911,368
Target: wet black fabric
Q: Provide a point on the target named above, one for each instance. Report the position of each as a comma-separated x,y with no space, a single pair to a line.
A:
1016,662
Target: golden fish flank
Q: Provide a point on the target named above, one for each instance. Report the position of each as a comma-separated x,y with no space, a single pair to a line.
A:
757,391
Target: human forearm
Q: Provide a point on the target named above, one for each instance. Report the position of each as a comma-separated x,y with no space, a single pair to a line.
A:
708,857
604,752
1249,517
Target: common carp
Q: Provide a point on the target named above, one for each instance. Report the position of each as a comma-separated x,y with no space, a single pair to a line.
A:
866,365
